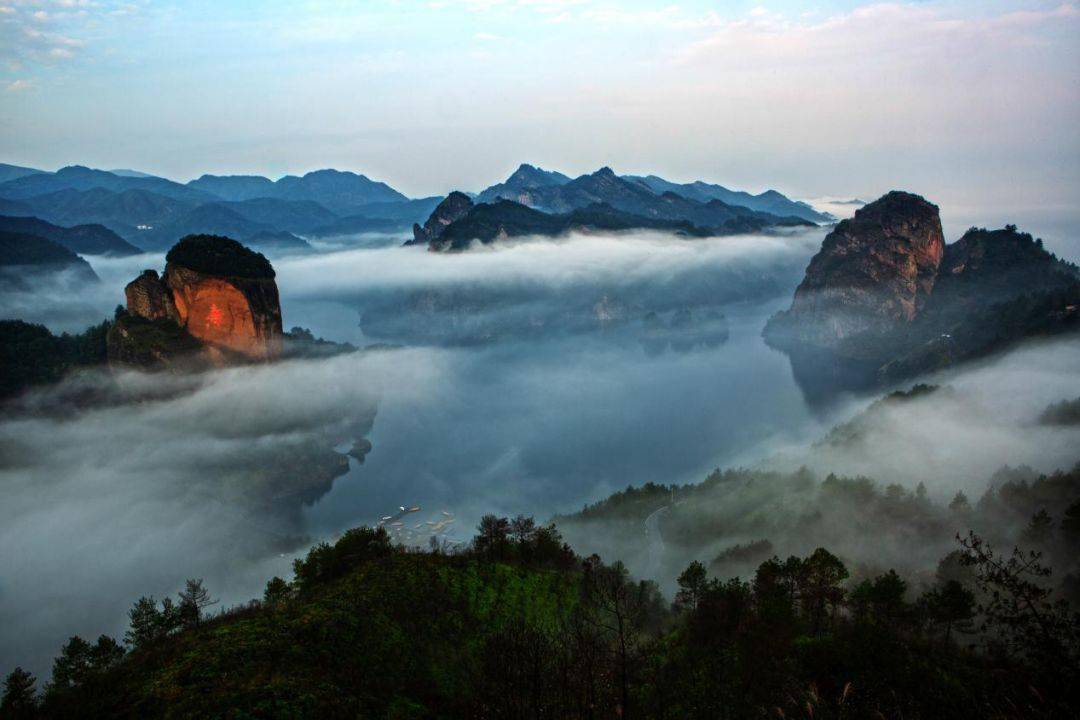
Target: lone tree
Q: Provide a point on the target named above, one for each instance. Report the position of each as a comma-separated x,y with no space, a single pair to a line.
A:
692,585
19,701
193,598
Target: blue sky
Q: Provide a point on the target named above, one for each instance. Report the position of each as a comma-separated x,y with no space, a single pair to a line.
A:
972,103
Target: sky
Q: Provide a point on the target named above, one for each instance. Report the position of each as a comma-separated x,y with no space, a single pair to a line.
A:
974,104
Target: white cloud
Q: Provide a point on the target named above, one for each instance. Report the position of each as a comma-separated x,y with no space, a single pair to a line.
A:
19,85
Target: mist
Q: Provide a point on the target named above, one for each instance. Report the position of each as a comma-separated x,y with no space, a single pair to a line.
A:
527,377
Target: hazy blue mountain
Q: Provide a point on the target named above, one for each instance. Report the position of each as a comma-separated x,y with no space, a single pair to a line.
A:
209,219
14,172
605,187
82,239
15,208
235,187
344,193
407,212
294,216
277,242
526,177
123,212
22,256
124,172
769,201
357,224
487,222
77,177
341,192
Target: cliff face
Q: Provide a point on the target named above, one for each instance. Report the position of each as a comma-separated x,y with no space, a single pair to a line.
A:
873,272
885,299
240,314
219,296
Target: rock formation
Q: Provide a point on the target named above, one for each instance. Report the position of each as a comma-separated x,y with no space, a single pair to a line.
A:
885,299
873,272
148,297
456,206
219,293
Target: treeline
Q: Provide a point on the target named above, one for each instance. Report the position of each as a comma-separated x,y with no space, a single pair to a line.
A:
518,626
737,518
31,355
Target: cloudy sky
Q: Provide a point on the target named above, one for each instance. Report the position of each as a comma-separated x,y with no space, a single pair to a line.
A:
971,102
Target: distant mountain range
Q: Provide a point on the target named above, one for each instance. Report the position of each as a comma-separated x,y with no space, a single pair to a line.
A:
601,201
555,192
151,213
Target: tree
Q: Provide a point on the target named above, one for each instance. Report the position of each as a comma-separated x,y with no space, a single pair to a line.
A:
105,654
147,624
692,583
820,585
950,604
881,600
522,529
491,538
19,701
1019,607
960,504
277,591
193,598
1040,530
623,609
1070,523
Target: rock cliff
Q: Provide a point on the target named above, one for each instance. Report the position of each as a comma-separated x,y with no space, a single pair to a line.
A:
456,206
874,272
885,299
214,290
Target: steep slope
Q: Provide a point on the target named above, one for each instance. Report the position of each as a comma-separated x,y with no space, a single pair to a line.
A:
83,239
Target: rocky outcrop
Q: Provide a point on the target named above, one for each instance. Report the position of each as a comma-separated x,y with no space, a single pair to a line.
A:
885,299
148,297
214,291
873,273
456,206
236,313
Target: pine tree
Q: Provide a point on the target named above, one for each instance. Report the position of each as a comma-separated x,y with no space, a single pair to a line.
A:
19,701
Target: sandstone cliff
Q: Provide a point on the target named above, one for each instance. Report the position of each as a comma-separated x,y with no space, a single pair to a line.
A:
214,291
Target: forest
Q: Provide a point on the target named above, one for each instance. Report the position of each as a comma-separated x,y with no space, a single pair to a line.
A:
517,625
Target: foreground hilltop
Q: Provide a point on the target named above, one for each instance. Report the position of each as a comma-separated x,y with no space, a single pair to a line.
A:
885,298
